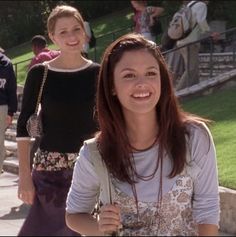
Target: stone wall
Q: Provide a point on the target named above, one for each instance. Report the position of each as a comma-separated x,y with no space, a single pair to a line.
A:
228,210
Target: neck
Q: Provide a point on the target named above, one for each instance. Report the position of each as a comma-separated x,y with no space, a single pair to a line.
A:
142,132
69,61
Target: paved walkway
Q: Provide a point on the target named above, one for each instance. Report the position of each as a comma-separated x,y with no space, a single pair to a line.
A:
12,210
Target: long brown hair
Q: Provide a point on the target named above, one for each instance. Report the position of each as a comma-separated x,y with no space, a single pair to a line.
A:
113,141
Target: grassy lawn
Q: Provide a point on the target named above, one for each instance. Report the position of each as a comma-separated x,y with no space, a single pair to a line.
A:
220,107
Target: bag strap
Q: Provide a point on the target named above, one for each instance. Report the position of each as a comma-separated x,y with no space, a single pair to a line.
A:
190,6
45,73
191,167
193,3
106,188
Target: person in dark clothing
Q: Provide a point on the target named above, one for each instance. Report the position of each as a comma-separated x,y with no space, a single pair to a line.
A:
8,100
67,109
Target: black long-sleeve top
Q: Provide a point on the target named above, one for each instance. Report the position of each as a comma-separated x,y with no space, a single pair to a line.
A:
67,105
8,95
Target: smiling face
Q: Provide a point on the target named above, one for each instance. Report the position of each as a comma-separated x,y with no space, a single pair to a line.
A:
137,83
68,34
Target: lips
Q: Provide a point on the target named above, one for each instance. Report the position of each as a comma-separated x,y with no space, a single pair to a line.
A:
73,44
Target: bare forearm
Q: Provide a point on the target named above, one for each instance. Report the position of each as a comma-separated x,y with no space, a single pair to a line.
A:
207,230
83,223
23,150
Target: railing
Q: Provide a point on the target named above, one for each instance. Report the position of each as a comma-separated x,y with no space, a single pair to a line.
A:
211,62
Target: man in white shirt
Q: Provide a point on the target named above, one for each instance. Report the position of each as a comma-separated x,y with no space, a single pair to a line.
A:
190,53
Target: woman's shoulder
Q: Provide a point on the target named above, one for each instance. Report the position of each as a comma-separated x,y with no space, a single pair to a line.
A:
36,73
37,68
200,141
198,129
89,146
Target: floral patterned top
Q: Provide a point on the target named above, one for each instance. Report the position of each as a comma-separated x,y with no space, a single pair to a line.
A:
172,217
188,199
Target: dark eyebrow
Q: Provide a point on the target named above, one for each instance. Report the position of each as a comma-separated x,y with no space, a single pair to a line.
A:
131,69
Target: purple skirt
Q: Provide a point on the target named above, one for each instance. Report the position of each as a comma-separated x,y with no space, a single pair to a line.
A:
47,214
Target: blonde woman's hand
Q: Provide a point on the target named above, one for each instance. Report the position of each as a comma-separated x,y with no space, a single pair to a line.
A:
26,190
109,219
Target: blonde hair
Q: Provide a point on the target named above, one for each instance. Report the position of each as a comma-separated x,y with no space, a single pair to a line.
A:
63,11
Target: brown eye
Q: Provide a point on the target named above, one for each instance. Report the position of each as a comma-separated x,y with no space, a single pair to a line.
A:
129,76
151,73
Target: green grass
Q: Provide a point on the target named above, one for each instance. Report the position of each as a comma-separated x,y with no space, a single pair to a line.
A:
220,107
118,21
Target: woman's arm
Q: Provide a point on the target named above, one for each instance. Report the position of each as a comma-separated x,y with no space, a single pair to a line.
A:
108,221
207,230
26,189
83,223
206,205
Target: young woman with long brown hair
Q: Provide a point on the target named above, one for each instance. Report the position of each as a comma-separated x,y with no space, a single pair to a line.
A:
160,160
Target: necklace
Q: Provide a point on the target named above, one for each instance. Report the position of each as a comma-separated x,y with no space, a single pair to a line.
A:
147,148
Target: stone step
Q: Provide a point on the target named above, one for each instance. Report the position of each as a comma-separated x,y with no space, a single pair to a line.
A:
11,165
218,57
216,67
11,148
10,134
207,74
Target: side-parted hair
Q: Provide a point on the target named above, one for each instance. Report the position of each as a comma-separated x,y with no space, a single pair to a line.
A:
113,141
63,11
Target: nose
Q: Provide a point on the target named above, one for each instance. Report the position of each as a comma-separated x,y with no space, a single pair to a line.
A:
71,35
141,83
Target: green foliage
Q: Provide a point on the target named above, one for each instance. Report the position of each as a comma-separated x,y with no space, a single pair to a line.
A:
19,21
220,107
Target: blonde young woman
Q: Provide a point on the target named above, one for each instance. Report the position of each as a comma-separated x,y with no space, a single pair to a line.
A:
161,161
67,115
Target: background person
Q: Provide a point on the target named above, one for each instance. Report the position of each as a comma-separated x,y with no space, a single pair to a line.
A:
8,100
190,53
67,116
144,18
40,50
161,161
